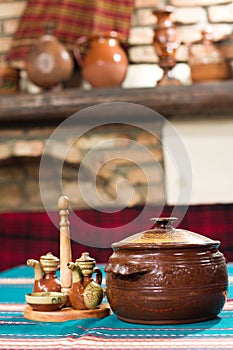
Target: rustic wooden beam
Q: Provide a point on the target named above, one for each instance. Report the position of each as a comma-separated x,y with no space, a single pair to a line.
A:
197,99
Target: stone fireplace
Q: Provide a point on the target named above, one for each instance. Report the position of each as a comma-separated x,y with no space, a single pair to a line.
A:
118,163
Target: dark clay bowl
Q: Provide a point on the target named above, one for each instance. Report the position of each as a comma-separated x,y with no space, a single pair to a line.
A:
166,276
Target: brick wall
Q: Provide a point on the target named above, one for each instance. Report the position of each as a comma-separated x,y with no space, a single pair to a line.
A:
189,16
10,13
20,154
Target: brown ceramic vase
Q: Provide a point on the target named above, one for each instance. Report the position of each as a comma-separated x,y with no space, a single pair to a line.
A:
165,44
102,60
166,276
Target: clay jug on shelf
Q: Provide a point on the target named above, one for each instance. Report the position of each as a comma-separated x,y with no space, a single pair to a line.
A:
206,61
102,60
48,63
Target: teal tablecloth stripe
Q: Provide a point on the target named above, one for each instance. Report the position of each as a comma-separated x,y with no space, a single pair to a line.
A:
112,327
16,293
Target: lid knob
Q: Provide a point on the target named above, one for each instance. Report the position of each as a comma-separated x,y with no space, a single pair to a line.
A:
85,257
164,223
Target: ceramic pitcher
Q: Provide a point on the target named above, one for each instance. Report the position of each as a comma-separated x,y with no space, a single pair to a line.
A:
102,60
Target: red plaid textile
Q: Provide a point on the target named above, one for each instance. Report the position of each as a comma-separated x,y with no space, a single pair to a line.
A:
73,18
25,235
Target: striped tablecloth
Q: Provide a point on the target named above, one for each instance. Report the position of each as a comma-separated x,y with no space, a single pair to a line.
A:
108,333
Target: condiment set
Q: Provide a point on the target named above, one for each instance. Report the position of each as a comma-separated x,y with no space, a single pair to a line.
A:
75,295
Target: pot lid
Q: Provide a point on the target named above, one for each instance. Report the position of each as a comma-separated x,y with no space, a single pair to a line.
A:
85,261
164,236
49,262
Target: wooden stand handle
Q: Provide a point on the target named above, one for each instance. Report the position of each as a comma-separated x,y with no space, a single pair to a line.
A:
65,245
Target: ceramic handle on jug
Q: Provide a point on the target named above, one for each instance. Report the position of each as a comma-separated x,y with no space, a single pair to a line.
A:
79,49
130,277
99,275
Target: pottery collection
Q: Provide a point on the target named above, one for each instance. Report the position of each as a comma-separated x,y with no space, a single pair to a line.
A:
104,63
160,276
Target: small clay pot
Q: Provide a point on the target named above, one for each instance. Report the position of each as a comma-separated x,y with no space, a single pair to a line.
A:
166,276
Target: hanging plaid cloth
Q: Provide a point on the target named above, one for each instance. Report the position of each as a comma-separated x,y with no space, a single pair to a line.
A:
72,19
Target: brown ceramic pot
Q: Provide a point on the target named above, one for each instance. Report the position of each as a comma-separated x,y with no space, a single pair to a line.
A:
48,63
102,60
166,276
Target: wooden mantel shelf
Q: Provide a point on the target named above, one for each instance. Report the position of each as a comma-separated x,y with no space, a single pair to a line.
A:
206,99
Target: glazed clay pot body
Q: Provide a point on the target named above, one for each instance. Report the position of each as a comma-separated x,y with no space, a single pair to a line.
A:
102,60
166,276
48,63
